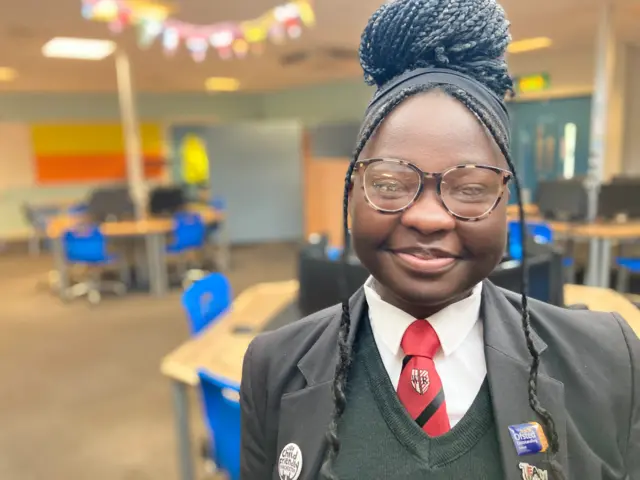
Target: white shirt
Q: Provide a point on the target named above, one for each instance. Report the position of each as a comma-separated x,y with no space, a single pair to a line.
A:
460,362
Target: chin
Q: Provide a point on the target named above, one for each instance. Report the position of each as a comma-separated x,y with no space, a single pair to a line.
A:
429,292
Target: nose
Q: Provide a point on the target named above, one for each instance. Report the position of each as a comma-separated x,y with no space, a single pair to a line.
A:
428,215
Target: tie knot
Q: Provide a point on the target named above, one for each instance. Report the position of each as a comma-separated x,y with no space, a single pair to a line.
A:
420,340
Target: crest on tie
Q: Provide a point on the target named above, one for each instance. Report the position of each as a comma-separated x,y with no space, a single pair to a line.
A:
531,472
420,380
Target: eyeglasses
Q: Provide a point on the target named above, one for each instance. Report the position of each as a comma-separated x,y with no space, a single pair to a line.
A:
468,192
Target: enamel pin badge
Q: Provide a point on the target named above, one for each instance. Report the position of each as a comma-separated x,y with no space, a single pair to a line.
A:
530,472
290,462
528,438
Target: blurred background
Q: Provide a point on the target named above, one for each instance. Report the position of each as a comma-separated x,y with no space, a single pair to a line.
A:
171,175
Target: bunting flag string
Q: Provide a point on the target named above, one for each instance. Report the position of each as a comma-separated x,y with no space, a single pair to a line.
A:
155,20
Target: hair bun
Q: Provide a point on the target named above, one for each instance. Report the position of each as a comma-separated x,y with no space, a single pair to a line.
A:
470,36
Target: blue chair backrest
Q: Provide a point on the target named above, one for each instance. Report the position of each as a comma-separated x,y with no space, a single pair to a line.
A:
85,243
205,300
222,412
334,253
219,203
78,209
541,233
188,231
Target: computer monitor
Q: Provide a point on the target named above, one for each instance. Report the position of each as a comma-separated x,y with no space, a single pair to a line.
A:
545,276
626,179
166,200
564,200
112,203
619,198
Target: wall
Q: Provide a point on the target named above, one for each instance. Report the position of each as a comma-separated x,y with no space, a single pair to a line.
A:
631,152
571,75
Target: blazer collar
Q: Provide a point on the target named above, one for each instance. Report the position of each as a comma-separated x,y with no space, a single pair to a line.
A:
503,325
319,363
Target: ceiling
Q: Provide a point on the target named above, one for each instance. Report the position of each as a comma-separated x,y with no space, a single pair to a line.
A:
25,25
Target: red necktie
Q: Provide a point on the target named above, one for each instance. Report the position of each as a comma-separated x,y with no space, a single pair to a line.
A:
420,388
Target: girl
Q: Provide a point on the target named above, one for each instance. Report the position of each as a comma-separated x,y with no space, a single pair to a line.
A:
430,371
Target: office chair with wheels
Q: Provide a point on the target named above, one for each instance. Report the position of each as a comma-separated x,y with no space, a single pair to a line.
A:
222,414
205,300
189,235
543,235
87,246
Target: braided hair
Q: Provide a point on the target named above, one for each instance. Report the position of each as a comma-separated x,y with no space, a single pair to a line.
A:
470,37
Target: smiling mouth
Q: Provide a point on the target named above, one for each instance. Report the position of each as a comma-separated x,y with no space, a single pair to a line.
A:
426,261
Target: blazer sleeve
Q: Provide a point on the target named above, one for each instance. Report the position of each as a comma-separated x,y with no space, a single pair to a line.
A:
253,458
632,454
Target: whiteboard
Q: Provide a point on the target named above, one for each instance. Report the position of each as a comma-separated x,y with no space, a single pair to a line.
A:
16,156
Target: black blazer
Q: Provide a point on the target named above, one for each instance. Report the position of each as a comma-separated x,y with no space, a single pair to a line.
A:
589,381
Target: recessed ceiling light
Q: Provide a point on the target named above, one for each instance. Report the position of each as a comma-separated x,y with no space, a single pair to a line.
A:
529,44
7,74
78,48
222,84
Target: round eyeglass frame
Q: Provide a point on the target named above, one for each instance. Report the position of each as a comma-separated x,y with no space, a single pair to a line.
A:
506,176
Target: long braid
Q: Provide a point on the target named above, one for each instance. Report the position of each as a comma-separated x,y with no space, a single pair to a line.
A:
470,37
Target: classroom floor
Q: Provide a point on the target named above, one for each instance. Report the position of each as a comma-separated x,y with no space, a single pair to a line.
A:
81,396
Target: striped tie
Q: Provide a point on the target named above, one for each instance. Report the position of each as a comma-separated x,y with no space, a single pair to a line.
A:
420,388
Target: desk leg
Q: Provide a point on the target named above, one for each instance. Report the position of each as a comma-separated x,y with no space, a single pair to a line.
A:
181,407
605,263
593,268
60,265
158,278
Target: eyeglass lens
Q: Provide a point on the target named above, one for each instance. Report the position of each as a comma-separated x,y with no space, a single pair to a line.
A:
466,192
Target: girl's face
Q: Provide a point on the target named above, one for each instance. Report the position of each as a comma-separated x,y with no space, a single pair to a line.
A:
424,258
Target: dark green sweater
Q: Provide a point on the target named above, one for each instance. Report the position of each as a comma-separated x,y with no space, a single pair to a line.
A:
379,441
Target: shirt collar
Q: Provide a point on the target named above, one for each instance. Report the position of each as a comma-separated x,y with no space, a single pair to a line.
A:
452,324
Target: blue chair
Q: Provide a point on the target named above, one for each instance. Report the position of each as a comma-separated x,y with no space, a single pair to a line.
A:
219,203
541,233
86,246
627,266
334,253
78,209
205,300
222,412
188,233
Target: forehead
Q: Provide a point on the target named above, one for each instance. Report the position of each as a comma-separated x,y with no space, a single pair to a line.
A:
434,131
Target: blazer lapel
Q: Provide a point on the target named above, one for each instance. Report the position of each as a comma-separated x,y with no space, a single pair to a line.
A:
305,414
508,363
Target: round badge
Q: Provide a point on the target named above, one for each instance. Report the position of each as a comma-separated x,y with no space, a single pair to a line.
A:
290,462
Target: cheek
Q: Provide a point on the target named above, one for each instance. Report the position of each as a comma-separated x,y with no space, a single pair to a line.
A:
486,238
369,227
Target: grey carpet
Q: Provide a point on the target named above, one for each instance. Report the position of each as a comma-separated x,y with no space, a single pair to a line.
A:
81,394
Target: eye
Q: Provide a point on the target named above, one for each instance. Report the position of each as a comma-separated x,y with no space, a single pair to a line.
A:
472,190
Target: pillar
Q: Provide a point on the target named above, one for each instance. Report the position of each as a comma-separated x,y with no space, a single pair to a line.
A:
131,131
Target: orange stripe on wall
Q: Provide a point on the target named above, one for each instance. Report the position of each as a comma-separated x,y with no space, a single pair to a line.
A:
90,168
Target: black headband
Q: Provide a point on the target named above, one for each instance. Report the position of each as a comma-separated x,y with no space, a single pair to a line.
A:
426,76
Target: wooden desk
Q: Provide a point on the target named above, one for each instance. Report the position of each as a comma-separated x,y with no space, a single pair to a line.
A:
153,229
603,300
127,228
220,350
599,234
